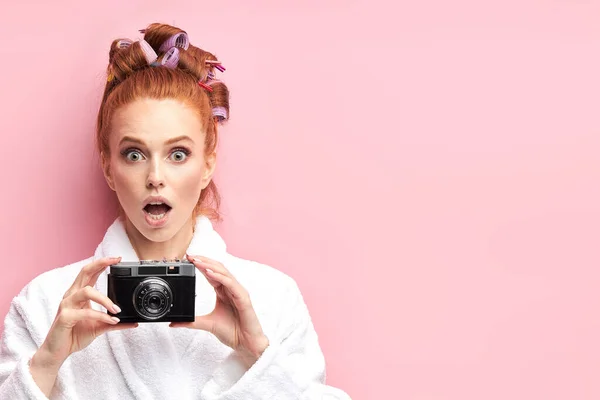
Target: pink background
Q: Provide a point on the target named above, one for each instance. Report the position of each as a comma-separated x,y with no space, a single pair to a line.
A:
427,171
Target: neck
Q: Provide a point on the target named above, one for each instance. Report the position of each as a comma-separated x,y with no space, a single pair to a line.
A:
170,249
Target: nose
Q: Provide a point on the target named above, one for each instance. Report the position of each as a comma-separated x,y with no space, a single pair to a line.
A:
155,177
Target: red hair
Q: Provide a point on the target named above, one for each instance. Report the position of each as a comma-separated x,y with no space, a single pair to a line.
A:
131,78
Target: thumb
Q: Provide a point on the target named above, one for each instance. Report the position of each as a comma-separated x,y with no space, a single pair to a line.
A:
118,327
202,322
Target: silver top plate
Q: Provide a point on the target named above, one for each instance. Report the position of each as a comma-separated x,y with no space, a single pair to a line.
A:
155,268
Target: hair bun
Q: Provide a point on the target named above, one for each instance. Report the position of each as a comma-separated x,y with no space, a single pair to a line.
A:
168,46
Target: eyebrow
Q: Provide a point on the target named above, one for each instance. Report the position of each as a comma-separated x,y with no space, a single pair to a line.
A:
170,141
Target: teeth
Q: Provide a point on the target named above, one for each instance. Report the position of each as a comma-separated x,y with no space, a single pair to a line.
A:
156,217
156,204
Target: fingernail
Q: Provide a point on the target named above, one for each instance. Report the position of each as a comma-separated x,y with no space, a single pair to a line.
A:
115,319
116,309
210,271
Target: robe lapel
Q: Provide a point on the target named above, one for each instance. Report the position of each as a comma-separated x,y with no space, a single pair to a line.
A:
150,357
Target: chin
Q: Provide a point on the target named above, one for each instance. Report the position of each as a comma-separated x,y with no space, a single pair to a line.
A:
158,235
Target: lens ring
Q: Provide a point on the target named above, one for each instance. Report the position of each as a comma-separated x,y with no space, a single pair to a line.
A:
152,289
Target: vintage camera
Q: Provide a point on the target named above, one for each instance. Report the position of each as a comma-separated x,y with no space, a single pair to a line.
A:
153,291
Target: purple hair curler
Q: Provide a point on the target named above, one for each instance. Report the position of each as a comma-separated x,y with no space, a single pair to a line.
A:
123,43
178,40
171,58
220,113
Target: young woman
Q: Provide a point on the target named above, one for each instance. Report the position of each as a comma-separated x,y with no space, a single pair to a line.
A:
252,337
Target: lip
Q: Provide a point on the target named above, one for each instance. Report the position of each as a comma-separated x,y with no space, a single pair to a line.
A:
154,223
157,223
156,199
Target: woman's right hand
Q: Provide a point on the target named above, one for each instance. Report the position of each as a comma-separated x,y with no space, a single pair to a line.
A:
76,324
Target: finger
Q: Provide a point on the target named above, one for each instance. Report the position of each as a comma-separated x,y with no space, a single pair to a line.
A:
239,294
208,261
94,278
223,294
218,286
189,325
208,265
215,284
69,317
203,263
118,327
89,293
203,322
89,270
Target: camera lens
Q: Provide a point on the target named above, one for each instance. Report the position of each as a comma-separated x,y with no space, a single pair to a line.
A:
154,302
152,298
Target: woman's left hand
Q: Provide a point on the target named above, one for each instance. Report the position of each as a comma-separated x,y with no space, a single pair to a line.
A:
233,320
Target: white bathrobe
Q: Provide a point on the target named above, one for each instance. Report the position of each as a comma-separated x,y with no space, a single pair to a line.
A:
155,361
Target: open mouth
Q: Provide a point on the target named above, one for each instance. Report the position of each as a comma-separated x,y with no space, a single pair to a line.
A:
157,211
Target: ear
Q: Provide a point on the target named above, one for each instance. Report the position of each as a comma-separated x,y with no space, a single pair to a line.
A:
210,163
106,170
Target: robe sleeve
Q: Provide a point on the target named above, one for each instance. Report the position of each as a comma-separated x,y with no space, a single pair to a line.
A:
292,366
16,349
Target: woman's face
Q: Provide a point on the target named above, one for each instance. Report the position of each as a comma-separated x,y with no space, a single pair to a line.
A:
157,165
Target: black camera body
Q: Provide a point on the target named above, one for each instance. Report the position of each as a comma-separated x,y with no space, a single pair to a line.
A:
153,291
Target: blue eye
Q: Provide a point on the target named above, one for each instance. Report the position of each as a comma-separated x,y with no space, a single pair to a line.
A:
179,155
